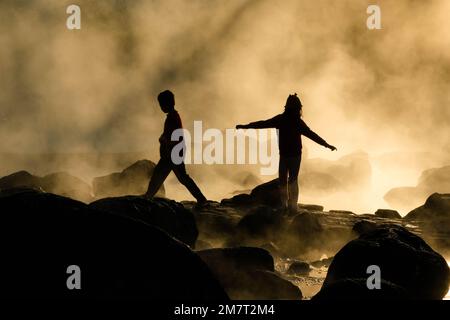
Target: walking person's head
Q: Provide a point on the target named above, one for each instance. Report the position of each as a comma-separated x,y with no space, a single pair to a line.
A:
293,105
166,101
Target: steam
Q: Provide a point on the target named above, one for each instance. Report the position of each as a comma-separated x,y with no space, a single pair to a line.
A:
228,62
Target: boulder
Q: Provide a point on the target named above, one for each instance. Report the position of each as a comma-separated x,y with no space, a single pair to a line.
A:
248,273
260,225
166,214
364,226
133,180
356,289
388,214
299,268
61,183
119,257
436,207
436,180
434,215
322,263
403,258
267,193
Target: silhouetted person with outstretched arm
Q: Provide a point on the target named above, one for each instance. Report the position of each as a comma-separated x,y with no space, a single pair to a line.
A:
166,101
290,129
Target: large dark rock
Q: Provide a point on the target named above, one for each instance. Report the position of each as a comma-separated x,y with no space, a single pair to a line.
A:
60,183
166,214
267,193
436,180
133,180
248,273
260,225
299,268
356,289
404,259
42,234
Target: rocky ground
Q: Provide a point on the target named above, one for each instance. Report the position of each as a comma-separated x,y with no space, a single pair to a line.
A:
239,248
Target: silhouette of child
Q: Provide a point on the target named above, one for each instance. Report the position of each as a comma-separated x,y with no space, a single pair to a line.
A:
166,101
290,129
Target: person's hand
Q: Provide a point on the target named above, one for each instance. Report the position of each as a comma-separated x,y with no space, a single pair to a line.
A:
240,126
332,148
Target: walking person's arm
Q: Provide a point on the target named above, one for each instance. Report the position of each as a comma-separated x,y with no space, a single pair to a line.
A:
307,132
263,124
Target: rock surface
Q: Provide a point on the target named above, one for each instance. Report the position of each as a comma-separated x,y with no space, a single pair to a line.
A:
61,183
404,259
118,257
166,214
248,273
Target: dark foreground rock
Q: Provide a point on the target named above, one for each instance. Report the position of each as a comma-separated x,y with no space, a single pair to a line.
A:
299,268
133,180
248,273
356,289
61,183
166,214
405,260
43,234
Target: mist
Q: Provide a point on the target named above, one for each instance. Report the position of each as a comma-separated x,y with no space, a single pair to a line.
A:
94,90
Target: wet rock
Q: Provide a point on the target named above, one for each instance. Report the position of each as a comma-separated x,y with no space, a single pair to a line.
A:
133,180
388,214
166,214
247,273
299,268
356,289
404,259
118,257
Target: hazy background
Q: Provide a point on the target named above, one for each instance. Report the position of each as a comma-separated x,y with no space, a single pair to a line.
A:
385,92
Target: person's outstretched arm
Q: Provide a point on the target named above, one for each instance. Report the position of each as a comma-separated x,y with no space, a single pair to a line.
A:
263,124
307,132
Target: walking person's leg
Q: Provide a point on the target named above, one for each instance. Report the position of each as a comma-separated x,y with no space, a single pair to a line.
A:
186,180
293,168
160,173
283,181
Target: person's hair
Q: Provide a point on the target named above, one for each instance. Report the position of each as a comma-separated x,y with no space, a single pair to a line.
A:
166,97
293,105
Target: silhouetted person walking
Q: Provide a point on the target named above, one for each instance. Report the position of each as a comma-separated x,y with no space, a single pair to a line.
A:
290,129
166,101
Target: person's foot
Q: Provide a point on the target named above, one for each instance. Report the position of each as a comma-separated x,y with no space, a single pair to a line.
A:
201,204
